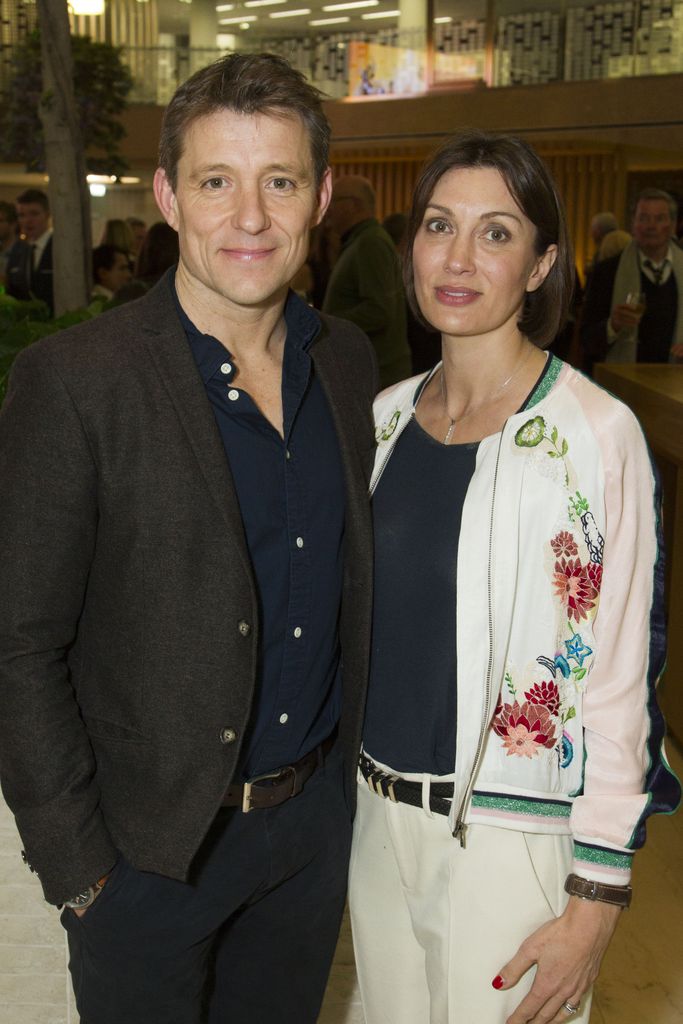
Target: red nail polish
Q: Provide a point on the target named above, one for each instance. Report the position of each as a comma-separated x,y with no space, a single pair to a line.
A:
498,982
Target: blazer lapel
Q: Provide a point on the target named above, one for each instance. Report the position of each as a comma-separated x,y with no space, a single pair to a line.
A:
167,344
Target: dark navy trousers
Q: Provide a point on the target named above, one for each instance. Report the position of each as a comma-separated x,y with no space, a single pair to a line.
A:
249,939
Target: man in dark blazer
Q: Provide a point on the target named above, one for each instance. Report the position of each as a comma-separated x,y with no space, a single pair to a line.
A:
29,266
185,584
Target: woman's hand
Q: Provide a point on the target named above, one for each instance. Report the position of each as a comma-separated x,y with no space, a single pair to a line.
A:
568,953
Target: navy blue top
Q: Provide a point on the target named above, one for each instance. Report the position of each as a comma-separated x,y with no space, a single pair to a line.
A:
410,721
291,495
417,508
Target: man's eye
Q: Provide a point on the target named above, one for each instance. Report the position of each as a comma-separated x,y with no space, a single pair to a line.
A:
214,183
282,184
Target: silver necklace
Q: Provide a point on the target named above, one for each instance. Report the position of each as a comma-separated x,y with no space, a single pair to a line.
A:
482,405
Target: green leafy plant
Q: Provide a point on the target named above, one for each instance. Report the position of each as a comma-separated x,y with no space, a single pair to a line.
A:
102,83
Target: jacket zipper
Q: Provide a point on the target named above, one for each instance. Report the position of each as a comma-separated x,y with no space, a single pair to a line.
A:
389,452
460,830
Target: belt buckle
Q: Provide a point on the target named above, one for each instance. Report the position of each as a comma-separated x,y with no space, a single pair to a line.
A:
246,795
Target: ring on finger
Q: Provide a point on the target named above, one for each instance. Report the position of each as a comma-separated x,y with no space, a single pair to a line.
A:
570,1008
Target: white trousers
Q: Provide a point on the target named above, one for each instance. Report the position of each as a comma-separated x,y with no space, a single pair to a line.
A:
433,923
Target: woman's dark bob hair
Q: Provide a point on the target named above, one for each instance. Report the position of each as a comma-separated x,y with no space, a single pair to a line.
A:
532,188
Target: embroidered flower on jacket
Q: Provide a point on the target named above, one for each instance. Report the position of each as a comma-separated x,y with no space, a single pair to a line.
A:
566,750
530,433
574,588
594,571
564,544
577,649
525,729
546,694
385,430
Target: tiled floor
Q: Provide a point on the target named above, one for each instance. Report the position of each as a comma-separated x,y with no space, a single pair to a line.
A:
641,982
642,976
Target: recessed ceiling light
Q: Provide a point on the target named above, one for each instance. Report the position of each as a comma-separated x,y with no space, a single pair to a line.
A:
351,6
263,3
225,7
237,21
380,14
329,21
290,14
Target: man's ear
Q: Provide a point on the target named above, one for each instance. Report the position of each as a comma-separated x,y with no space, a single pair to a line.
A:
165,197
324,196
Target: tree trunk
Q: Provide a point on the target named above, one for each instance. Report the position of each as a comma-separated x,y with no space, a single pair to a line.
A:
65,161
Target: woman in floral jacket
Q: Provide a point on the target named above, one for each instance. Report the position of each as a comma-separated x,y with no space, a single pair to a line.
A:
513,743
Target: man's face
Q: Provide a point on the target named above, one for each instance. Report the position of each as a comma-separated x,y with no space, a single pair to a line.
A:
653,227
117,275
33,220
244,203
343,212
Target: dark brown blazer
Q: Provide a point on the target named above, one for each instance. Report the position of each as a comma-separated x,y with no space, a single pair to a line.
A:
128,610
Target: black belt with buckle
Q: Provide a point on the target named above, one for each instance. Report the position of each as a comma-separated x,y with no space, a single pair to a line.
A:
401,791
275,787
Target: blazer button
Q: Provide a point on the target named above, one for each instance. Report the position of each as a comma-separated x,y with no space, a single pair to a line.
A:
228,735
244,628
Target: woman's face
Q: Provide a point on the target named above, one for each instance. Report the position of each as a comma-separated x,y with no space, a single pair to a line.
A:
474,255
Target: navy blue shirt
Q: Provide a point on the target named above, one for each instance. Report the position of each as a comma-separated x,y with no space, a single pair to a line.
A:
417,508
291,495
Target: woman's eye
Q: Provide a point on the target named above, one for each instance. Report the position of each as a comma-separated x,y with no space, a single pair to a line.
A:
436,226
497,235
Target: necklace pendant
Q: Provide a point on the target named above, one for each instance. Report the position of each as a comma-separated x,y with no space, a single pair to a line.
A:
449,432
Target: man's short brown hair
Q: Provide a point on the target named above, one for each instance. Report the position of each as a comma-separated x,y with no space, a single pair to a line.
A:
254,83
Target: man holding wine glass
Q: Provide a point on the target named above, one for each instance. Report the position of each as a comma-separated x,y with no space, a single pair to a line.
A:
633,311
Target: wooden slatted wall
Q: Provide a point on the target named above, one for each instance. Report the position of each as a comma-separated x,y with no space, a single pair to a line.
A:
588,181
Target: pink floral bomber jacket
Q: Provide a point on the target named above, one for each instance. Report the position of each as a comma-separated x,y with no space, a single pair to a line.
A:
560,623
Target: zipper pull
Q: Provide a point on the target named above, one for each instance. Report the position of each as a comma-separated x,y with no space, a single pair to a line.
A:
460,833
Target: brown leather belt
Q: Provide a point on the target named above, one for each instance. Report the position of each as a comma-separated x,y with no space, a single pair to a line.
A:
276,787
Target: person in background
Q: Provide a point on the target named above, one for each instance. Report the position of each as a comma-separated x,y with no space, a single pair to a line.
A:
29,264
613,244
601,225
633,309
139,229
110,270
8,235
512,745
158,254
119,233
365,284
185,584
425,343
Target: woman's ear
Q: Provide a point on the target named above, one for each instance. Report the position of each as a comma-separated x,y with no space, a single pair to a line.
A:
542,268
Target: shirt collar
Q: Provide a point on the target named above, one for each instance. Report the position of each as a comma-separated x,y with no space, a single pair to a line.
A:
42,241
303,324
656,263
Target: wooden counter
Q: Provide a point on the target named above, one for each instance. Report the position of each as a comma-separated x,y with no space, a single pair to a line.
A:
655,393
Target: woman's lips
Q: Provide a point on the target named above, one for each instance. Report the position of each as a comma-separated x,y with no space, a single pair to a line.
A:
450,296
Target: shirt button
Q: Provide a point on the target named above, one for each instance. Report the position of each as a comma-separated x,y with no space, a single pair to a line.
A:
299,542
228,735
233,394
244,628
226,368
288,454
283,719
297,632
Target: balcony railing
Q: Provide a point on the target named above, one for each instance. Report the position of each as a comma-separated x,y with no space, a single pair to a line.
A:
625,38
